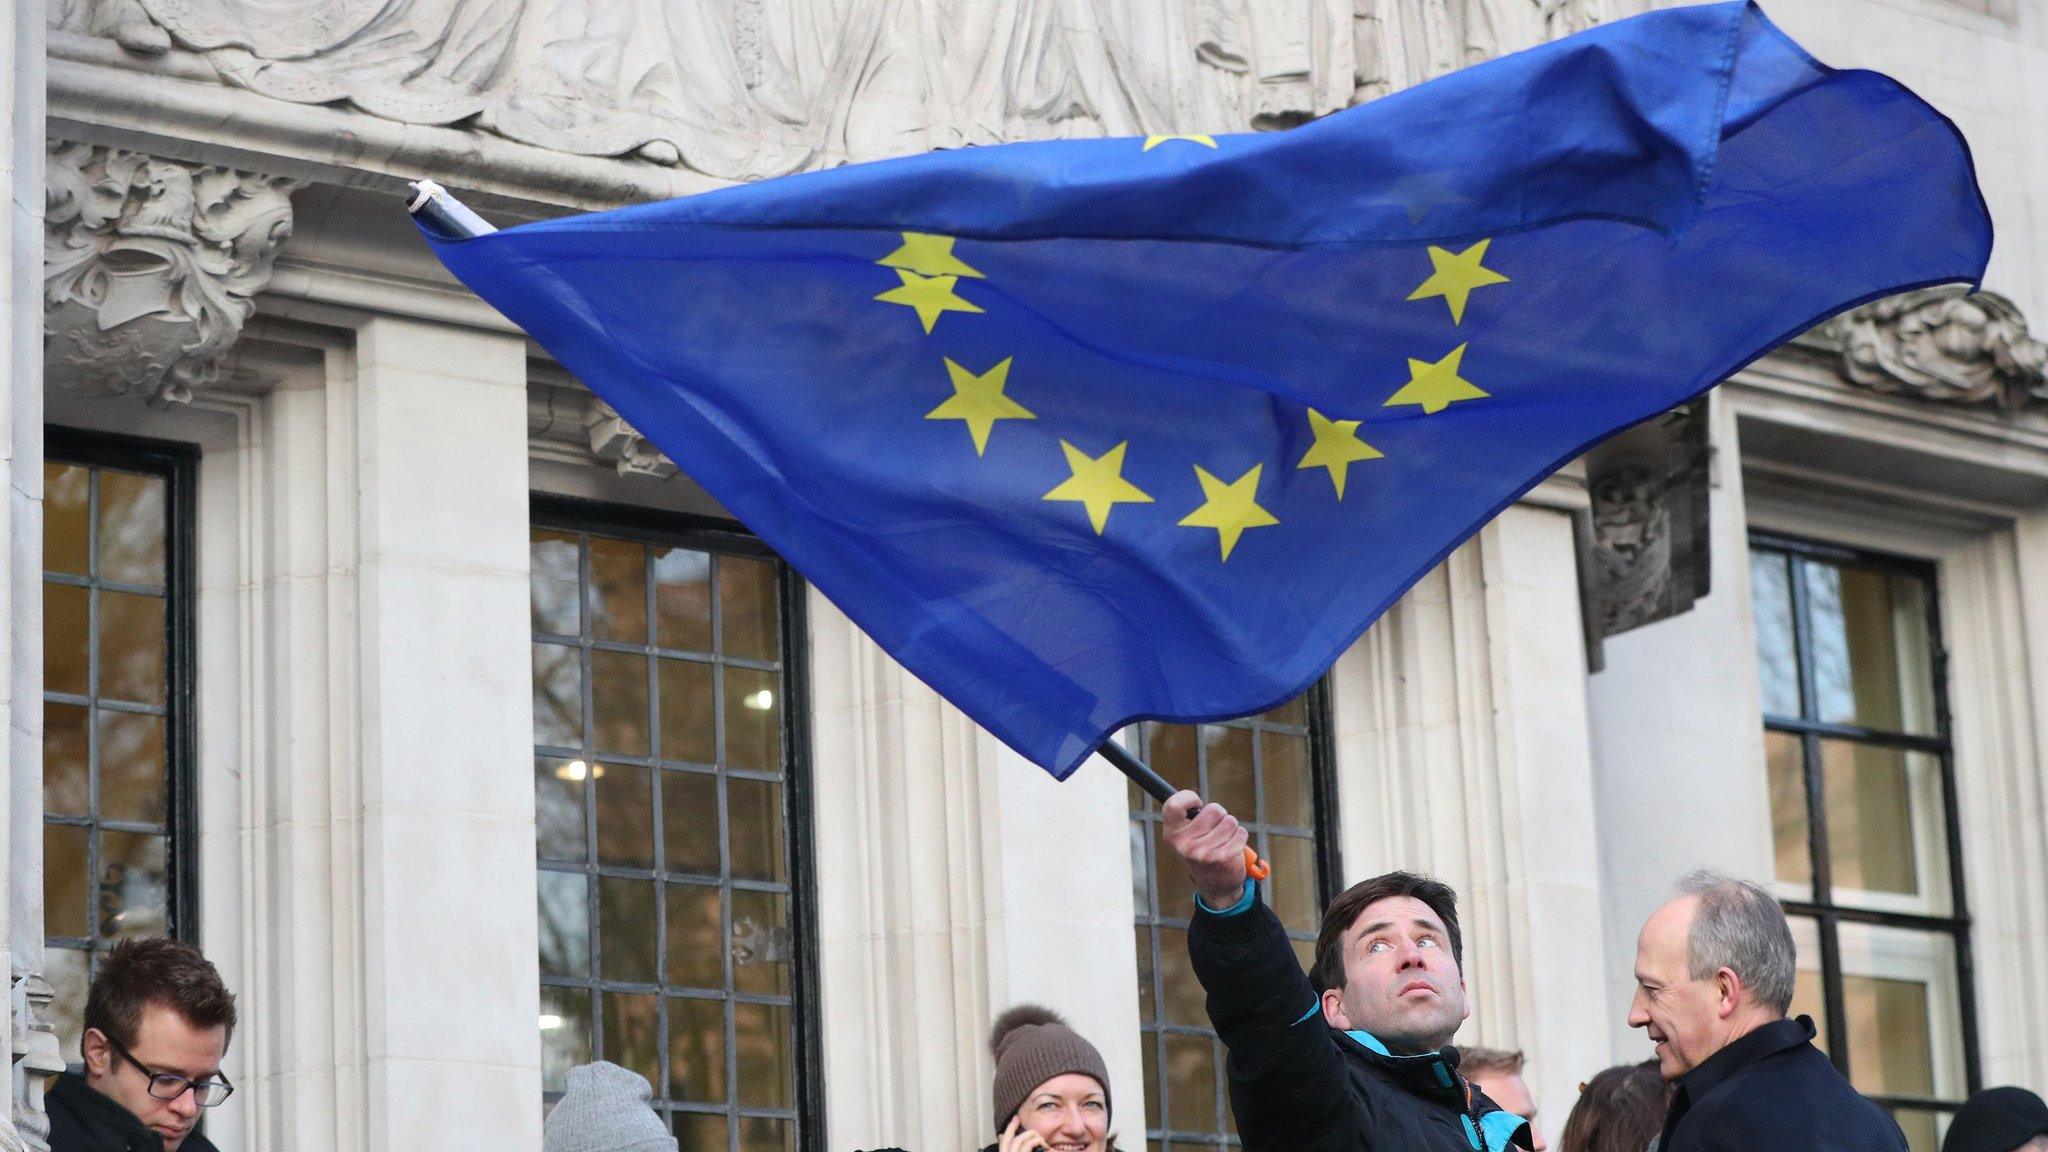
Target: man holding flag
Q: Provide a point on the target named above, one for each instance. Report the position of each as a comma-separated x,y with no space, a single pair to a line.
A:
1359,1058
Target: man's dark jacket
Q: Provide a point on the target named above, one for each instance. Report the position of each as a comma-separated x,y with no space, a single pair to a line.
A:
1772,1089
82,1119
1298,1085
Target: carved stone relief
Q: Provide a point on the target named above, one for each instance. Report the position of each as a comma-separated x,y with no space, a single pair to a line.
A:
150,267
38,1059
740,89
1945,344
611,438
1647,558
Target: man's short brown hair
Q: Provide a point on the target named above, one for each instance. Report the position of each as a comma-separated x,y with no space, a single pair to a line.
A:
1345,909
156,970
1475,1061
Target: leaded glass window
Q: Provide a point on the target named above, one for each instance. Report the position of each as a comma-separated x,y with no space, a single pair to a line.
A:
1271,772
118,803
665,762
1859,760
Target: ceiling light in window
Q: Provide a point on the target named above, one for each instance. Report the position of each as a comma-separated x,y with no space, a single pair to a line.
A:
760,701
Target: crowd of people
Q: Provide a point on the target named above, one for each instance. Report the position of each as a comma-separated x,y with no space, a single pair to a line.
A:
1354,1053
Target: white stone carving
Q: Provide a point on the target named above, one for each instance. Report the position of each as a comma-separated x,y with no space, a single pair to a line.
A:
37,1055
151,266
611,438
741,89
1947,344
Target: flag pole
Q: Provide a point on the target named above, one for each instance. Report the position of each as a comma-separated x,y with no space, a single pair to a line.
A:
450,219
1157,787
444,215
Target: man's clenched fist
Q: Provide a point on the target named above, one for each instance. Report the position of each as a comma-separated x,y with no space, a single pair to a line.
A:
1212,842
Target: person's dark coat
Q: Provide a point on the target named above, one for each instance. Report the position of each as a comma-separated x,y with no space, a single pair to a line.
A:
83,1119
1773,1089
1299,1085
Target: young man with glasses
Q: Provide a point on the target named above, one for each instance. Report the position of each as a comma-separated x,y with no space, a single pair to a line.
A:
157,1023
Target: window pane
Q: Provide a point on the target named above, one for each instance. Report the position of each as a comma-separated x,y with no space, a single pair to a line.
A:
682,599
761,1043
696,1050
700,1131
1231,782
134,885
1190,1084
1785,761
1148,979
1923,1129
766,1134
557,696
625,919
67,875
1904,1018
689,730
760,942
689,822
66,612
1870,648
1179,992
618,590
65,784
1809,997
554,583
65,968
66,534
754,816
632,1032
131,647
696,937
1170,749
747,608
753,720
559,788
618,703
131,528
1293,885
1777,660
625,816
1284,783
564,924
1885,825
564,1035
132,767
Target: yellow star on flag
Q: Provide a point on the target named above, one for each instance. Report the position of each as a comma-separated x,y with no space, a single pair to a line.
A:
1098,483
1336,448
1152,142
929,255
1456,275
1229,508
930,295
1437,386
979,401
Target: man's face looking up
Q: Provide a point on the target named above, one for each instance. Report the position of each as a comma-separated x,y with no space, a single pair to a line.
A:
1400,981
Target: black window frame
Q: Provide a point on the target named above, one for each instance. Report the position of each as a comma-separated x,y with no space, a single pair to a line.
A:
1322,763
1821,908
178,466
553,512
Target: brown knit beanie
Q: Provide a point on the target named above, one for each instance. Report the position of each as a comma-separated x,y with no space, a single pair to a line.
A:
1033,1045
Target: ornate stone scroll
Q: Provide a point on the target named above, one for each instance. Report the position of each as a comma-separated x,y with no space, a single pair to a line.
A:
1946,344
1648,556
611,438
151,266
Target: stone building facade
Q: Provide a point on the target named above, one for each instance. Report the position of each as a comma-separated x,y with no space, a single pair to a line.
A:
351,638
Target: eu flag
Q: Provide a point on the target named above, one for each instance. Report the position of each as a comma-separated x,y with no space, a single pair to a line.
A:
1085,432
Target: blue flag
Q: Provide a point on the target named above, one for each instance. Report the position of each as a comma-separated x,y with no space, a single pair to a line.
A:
1086,432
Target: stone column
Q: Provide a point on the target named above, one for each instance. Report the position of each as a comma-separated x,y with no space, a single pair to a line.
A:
1463,751
954,879
33,1044
444,737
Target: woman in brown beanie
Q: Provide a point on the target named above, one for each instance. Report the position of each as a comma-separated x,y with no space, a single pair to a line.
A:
1051,1086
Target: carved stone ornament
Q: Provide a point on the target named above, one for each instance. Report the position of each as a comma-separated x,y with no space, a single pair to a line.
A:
740,89
150,267
1648,556
1945,344
37,1056
611,438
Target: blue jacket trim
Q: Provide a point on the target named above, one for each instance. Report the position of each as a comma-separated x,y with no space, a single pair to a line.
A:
1499,1129
1371,1041
1471,1133
1251,893
1308,1015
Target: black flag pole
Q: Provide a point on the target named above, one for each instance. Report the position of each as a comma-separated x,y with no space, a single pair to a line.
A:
451,219
1160,789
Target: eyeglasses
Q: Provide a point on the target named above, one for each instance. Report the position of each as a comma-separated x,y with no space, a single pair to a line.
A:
167,1087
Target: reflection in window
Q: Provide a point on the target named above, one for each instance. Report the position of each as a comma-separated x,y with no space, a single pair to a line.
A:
1858,758
1267,771
116,857
662,767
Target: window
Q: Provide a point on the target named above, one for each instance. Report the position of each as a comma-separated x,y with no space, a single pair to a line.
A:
668,769
119,808
1857,746
1271,772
